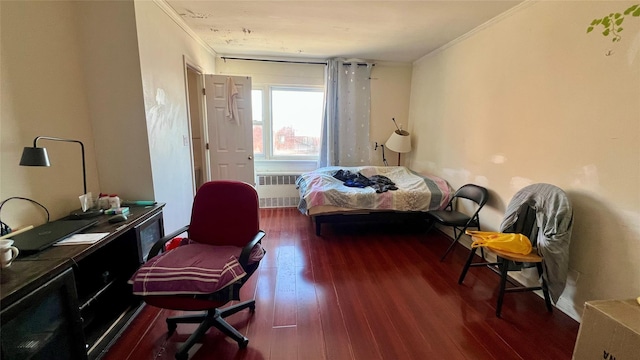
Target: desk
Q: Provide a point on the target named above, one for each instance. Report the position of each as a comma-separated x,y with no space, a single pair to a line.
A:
88,281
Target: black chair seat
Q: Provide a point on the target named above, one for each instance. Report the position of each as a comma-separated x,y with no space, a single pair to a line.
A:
459,221
451,218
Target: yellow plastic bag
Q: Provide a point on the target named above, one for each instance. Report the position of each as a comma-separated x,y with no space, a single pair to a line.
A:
515,243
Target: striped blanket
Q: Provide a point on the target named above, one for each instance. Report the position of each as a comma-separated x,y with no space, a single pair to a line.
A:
191,269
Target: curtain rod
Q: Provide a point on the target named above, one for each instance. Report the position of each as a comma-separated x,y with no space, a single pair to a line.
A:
287,61
277,61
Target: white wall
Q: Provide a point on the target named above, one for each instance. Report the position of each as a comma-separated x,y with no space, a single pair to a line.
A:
163,47
43,93
533,98
390,94
107,73
111,63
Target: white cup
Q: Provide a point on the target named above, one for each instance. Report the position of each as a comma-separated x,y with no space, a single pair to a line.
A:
8,252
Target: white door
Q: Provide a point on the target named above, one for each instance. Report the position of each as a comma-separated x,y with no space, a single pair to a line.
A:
230,138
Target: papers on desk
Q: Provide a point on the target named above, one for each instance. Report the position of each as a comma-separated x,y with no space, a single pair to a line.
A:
82,239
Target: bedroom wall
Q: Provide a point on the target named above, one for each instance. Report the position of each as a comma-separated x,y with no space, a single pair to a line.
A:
164,46
529,98
73,69
390,94
107,31
43,93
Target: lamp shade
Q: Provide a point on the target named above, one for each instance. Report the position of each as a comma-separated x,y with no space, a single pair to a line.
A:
34,156
399,141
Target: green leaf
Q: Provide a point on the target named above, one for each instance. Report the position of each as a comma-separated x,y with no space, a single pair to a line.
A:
596,22
617,15
619,21
620,29
606,22
606,32
589,29
636,13
629,10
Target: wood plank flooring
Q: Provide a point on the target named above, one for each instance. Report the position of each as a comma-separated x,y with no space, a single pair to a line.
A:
364,292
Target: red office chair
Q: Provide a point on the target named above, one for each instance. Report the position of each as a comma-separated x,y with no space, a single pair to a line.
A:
207,270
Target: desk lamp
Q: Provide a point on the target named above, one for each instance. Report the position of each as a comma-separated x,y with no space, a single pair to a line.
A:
35,156
399,141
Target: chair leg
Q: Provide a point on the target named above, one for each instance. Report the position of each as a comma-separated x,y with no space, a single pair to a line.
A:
206,320
545,288
472,253
453,243
228,311
504,269
432,224
230,331
172,322
209,320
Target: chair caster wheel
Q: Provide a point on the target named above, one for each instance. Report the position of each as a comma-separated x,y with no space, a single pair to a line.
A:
243,343
172,326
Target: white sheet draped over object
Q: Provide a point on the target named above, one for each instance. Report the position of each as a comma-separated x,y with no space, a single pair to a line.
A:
554,218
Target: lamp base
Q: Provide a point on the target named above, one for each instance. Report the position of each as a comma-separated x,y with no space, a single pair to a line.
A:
79,214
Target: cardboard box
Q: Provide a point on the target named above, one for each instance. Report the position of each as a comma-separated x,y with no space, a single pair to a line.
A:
610,330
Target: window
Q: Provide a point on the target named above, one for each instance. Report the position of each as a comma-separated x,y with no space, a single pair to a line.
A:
287,122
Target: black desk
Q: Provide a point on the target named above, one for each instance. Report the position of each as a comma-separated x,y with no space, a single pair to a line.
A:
89,284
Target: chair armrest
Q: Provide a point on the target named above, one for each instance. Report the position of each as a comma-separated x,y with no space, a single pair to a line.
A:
159,245
246,250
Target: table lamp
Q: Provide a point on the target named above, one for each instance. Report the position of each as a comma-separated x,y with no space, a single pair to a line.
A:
36,156
399,141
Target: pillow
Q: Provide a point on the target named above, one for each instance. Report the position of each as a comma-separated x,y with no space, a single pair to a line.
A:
189,269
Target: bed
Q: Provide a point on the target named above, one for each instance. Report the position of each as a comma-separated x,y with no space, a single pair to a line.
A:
327,199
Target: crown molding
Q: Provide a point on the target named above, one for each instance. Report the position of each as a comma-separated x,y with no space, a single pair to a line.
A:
523,5
162,4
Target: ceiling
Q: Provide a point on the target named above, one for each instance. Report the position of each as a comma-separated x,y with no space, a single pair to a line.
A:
395,31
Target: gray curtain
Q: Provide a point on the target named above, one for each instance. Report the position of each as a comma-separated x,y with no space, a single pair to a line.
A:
345,127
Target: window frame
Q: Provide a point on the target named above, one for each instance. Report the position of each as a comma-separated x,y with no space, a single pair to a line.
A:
267,159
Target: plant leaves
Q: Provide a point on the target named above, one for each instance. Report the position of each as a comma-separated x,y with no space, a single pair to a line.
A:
619,21
606,22
620,29
606,32
589,29
629,10
617,15
637,12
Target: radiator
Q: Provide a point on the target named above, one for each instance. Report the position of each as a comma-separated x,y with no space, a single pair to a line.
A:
277,190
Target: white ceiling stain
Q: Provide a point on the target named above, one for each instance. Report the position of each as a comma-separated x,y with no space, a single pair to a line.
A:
401,31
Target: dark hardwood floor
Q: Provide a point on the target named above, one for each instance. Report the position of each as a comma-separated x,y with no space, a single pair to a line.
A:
364,292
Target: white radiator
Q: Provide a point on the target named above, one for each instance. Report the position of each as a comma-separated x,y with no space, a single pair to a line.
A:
277,190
